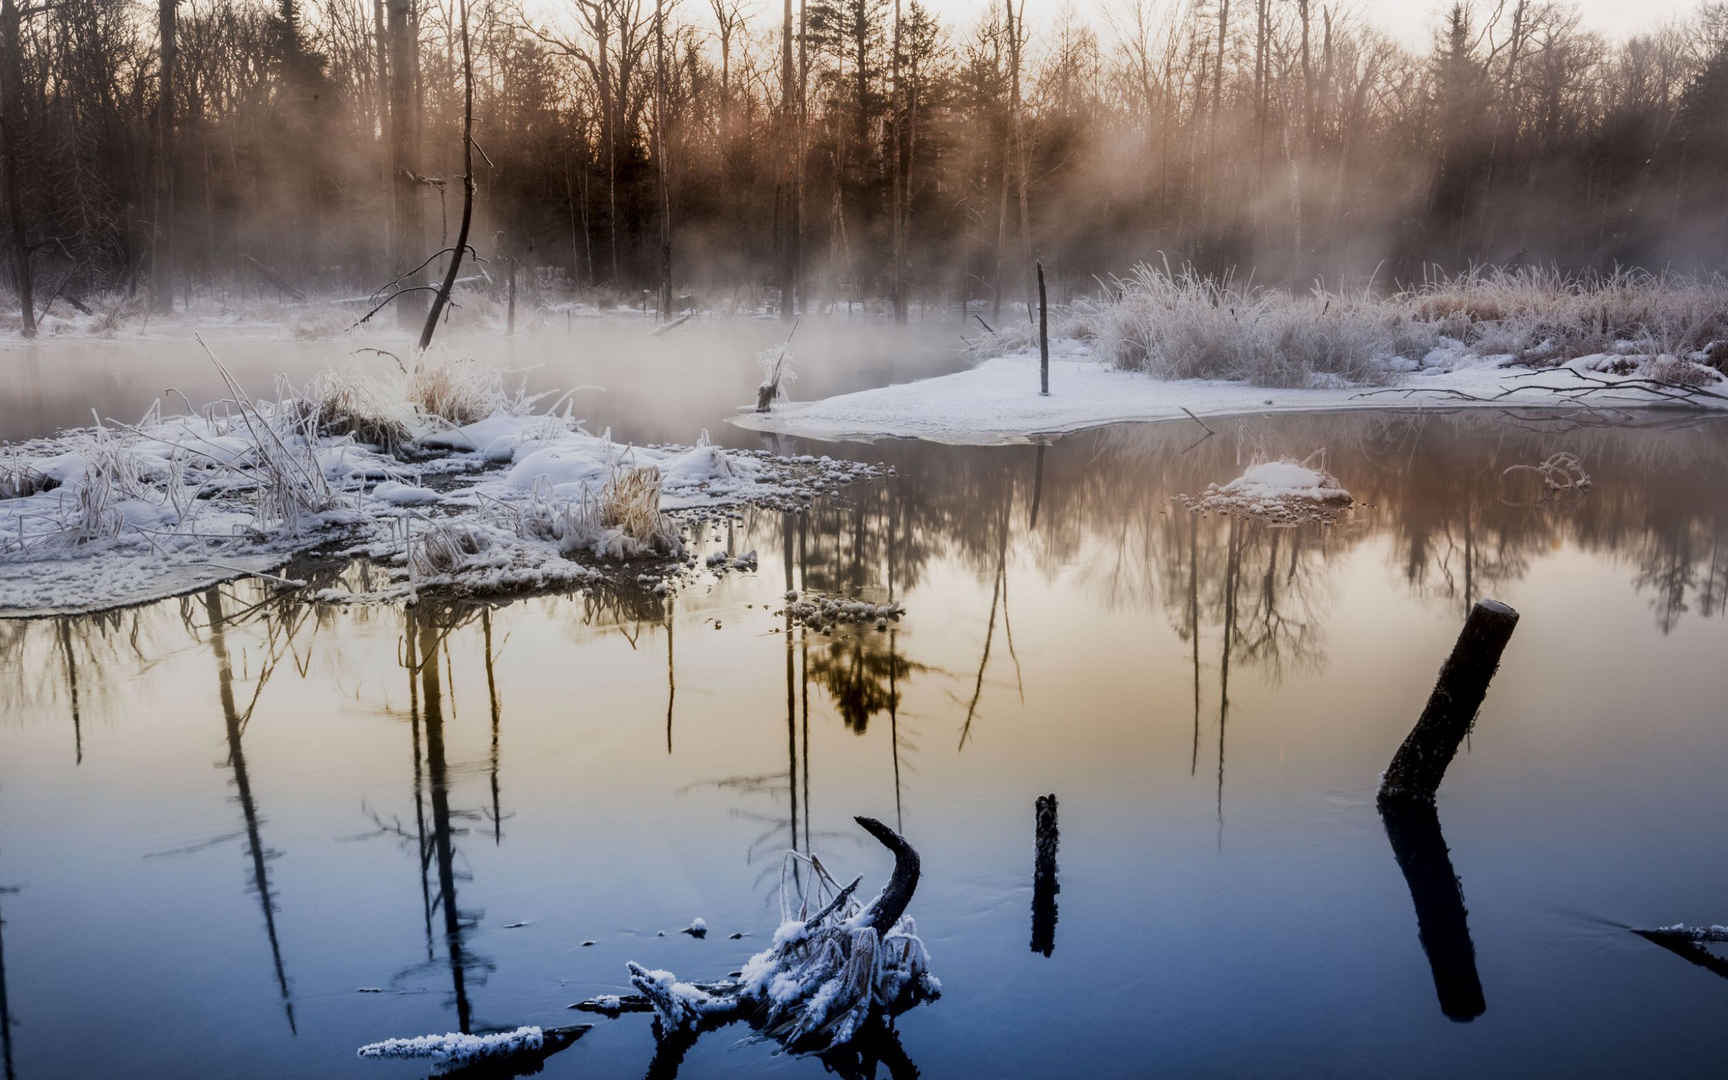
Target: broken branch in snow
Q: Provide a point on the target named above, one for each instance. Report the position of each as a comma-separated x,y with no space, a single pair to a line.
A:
514,1053
820,983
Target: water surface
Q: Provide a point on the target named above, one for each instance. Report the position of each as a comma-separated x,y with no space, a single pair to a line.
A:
222,816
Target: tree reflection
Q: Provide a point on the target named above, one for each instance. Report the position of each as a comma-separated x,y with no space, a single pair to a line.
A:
235,723
5,1003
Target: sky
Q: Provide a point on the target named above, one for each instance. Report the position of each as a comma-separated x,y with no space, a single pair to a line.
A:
1409,21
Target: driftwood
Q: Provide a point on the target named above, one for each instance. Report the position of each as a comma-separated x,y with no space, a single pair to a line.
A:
1421,762
825,982
1687,942
1580,392
496,1056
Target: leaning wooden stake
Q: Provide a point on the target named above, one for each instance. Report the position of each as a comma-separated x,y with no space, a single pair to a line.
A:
1044,884
1043,335
1420,764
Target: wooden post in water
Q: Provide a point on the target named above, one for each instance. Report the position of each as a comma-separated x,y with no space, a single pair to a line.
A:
1044,885
1043,335
1420,763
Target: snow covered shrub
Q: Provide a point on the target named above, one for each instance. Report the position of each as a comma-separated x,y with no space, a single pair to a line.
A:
444,549
1186,325
347,403
622,521
1182,324
18,479
457,391
1537,313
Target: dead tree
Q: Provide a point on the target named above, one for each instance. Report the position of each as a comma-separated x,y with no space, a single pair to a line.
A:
11,149
443,296
162,266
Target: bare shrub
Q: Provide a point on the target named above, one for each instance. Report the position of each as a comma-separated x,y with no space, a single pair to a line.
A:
1182,324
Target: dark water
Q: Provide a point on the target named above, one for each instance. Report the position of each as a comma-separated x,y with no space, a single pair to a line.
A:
221,816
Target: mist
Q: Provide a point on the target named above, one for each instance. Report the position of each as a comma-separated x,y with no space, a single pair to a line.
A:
836,153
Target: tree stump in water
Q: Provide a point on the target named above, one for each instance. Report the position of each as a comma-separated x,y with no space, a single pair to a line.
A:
1421,762
1044,884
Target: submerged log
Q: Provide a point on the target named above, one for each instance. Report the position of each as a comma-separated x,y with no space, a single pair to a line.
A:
1421,762
1688,944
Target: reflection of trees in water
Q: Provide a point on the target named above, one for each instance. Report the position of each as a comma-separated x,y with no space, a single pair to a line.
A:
424,655
5,1004
1434,484
234,724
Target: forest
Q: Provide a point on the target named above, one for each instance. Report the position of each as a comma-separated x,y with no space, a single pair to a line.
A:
669,154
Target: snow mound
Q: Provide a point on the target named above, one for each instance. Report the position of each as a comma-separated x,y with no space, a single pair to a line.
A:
397,493
1284,490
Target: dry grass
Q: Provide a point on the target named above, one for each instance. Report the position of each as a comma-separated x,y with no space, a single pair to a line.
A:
443,550
18,479
1185,325
622,521
391,411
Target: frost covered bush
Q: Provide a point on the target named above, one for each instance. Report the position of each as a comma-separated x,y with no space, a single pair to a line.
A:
622,521
1182,324
392,411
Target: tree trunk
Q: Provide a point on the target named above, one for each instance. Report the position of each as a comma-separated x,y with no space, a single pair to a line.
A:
162,262
404,186
789,230
660,160
11,135
898,278
443,297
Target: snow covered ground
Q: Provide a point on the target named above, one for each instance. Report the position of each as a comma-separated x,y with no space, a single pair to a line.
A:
998,402
121,513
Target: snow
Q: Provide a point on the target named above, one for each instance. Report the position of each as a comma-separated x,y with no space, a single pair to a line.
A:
997,402
1283,490
137,512
397,493
454,1046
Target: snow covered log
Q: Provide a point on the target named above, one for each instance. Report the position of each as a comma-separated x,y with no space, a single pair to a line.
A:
1421,762
515,1053
821,982
1687,942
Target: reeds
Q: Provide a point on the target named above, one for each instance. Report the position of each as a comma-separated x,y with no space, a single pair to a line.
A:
1181,324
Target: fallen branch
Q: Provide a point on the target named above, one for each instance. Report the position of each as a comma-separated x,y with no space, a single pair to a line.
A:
673,325
821,983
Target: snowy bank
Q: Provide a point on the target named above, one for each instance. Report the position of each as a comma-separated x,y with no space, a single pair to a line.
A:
118,513
998,402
